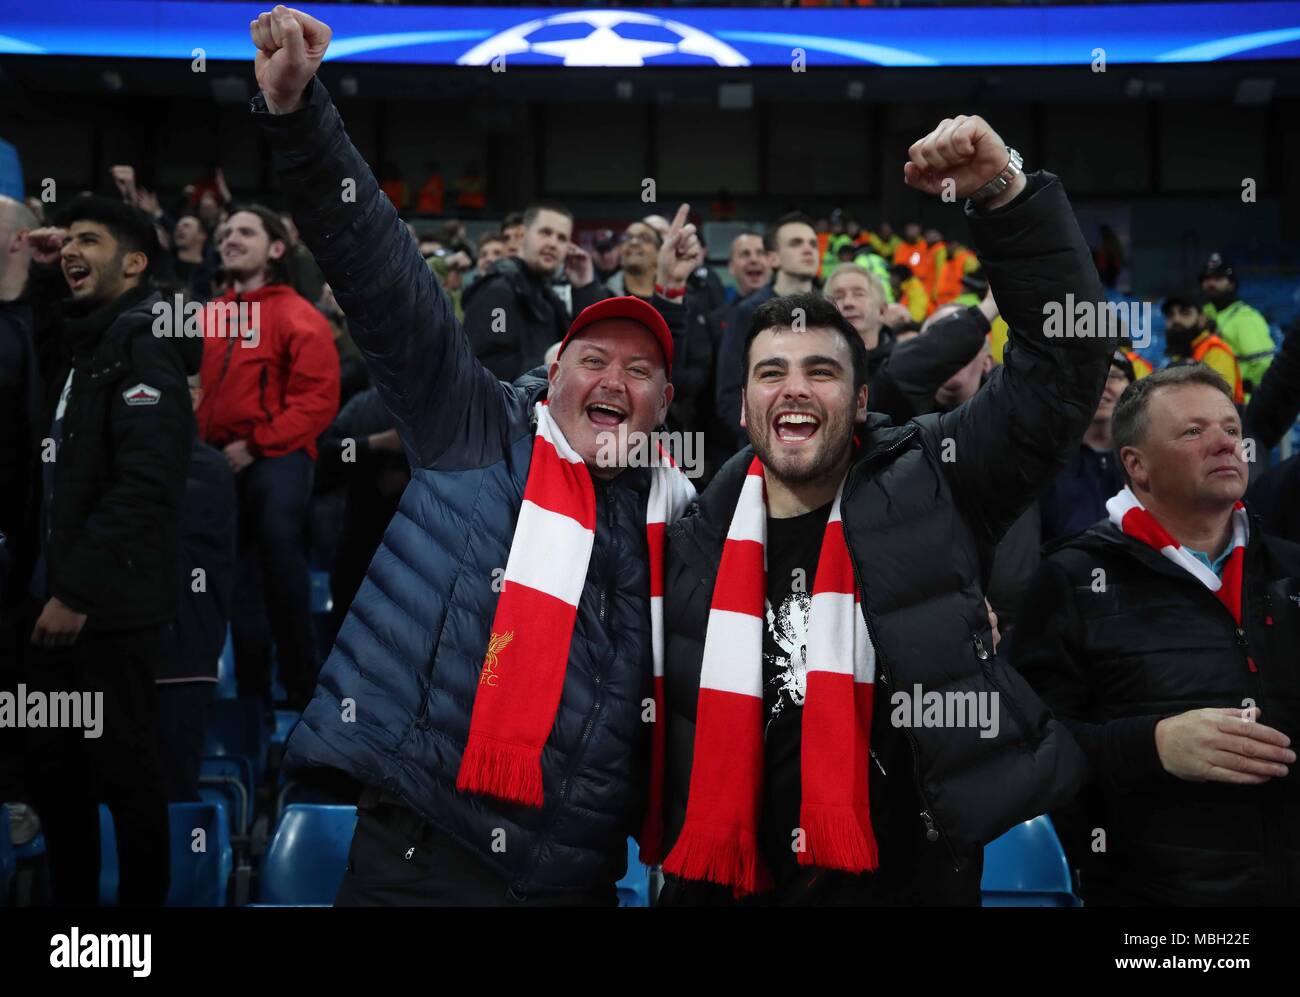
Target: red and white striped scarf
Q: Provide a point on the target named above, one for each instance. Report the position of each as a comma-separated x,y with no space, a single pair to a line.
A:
528,649
1132,517
719,840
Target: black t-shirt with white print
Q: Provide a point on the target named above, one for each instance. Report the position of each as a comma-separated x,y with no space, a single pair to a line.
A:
793,547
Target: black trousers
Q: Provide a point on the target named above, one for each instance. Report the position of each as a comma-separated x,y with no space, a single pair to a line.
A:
71,774
273,586
183,709
399,860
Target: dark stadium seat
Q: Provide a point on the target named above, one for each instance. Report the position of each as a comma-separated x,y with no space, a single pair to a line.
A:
321,600
228,779
308,856
199,876
292,791
226,685
238,727
107,859
8,861
285,721
1026,868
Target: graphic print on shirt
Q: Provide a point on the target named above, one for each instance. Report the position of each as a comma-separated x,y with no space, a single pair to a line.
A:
787,629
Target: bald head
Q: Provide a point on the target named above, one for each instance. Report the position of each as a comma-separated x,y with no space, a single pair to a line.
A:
16,214
16,220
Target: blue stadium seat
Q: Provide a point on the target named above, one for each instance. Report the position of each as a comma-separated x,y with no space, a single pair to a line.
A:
634,888
8,861
228,779
198,878
1026,868
285,721
308,856
107,858
290,792
33,849
227,688
238,727
321,600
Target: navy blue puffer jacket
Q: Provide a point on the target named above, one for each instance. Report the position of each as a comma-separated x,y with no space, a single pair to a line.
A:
394,701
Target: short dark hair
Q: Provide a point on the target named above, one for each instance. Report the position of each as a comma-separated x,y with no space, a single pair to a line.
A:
131,228
487,237
1176,301
741,235
275,231
791,218
512,219
533,210
1128,423
813,312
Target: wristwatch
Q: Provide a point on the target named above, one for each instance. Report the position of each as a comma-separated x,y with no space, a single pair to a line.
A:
1002,181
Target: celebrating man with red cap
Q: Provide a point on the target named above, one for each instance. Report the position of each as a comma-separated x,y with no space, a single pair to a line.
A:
492,686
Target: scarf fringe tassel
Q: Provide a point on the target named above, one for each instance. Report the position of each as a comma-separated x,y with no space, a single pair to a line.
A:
507,771
834,839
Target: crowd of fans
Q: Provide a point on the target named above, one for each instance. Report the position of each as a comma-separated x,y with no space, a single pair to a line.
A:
298,465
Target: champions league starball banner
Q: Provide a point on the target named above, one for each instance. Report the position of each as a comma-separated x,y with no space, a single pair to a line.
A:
701,37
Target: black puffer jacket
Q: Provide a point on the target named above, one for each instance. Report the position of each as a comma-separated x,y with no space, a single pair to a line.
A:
120,474
512,316
1115,637
920,528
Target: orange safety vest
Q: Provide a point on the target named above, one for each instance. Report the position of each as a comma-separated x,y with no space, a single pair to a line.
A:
911,254
1140,367
950,280
430,196
1208,341
925,272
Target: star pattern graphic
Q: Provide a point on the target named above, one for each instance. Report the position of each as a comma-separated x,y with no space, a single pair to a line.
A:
604,47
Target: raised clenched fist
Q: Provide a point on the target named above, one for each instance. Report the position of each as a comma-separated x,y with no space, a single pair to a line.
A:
964,150
290,47
47,243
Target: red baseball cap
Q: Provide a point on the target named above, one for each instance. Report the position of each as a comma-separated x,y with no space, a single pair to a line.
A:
628,307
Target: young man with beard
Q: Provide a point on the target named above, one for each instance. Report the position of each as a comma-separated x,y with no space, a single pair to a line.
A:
1167,639
1190,338
119,422
487,686
838,566
270,388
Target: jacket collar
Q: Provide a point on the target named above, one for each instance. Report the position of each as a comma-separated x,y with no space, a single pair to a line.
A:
1106,536
532,289
263,293
83,330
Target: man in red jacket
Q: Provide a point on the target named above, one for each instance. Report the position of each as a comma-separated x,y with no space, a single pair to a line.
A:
270,387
